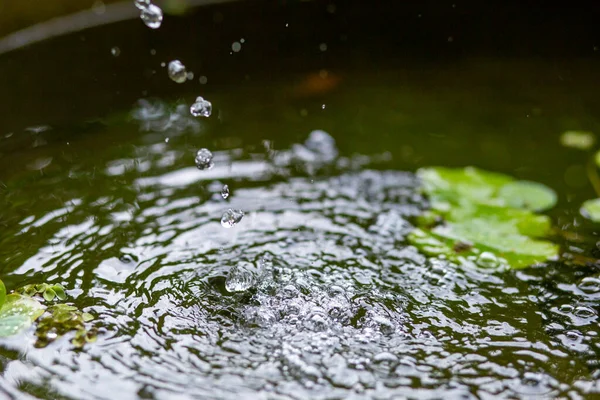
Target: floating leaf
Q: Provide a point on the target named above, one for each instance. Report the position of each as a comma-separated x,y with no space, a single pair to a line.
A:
49,294
63,318
591,209
18,313
486,218
581,140
530,195
2,294
60,292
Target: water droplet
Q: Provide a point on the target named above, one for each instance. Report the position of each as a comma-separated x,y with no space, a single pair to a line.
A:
203,80
316,322
231,218
225,191
236,47
201,108
142,4
152,16
115,51
177,71
323,47
204,159
162,64
190,76
240,278
166,140
242,40
385,357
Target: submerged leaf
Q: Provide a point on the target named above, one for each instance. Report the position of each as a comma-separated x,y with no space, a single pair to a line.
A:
581,140
18,313
591,209
488,211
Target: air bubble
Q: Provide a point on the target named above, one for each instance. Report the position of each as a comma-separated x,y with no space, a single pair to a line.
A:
201,108
177,71
590,285
115,51
231,218
236,47
204,159
488,260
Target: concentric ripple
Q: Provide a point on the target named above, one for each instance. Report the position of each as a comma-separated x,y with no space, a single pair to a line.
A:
332,302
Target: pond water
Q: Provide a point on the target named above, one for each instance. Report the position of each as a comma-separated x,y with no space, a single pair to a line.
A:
315,293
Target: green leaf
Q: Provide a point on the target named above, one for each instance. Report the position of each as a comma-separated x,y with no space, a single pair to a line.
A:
581,140
591,209
530,195
486,218
49,294
60,292
18,313
2,294
87,317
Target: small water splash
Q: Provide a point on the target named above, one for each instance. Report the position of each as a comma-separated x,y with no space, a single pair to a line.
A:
240,278
177,71
201,107
204,159
225,192
231,218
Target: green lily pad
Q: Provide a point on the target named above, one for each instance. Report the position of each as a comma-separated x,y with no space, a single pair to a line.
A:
581,140
530,195
591,209
486,218
18,313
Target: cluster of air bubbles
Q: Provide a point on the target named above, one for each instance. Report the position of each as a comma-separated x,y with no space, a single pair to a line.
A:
177,71
204,159
151,14
231,218
201,107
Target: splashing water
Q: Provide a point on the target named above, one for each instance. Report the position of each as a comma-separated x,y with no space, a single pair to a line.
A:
225,192
240,277
152,16
204,159
231,218
177,71
201,108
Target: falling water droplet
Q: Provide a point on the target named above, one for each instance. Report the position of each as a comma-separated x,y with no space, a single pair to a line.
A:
141,4
231,218
225,191
203,79
177,71
236,47
152,16
204,159
240,278
115,51
201,108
